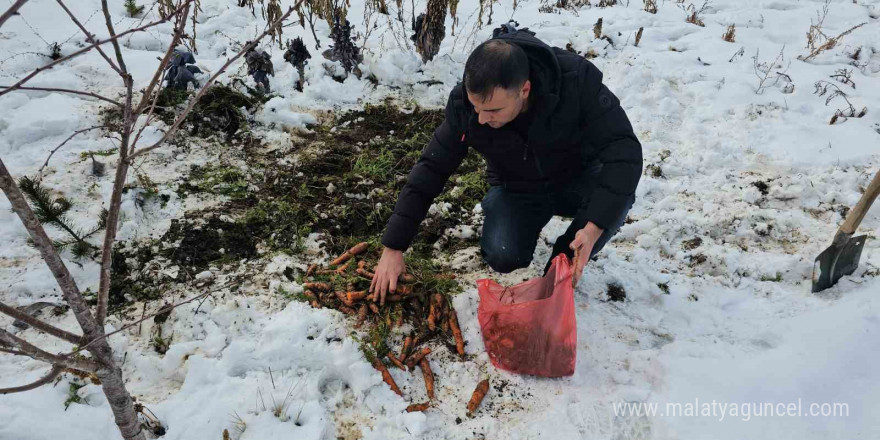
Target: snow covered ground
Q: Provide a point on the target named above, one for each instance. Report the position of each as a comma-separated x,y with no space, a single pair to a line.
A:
742,191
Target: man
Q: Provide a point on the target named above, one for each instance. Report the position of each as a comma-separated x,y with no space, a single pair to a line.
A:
556,142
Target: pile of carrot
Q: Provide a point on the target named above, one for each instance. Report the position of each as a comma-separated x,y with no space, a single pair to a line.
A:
344,286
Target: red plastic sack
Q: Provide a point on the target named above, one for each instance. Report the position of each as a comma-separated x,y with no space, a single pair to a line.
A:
530,328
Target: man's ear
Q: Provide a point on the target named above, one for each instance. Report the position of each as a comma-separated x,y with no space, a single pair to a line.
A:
526,89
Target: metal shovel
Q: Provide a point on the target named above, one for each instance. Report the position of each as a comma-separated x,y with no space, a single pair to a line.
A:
842,257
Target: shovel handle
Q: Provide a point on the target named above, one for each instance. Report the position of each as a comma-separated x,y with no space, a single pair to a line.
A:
855,216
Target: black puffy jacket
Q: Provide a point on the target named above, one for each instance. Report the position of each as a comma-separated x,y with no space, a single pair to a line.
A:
576,120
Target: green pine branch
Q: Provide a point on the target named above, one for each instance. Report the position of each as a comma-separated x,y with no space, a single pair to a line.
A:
52,210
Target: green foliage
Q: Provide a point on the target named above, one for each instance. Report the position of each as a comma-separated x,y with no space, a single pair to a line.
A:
52,210
377,335
219,109
133,9
774,279
219,179
167,102
103,153
73,394
161,344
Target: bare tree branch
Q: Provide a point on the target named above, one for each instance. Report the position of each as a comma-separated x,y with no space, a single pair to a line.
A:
143,318
116,48
53,373
40,324
46,163
15,352
80,52
18,344
11,11
195,99
129,117
178,33
50,255
71,91
90,38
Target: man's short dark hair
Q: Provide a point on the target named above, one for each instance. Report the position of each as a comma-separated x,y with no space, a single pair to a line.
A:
495,63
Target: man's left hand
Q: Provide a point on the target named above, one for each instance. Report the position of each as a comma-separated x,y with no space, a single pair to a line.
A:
582,245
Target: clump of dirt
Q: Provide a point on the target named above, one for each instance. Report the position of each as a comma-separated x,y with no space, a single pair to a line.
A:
616,292
762,186
128,282
204,242
692,243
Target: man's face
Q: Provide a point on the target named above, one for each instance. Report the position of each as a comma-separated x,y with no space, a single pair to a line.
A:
502,106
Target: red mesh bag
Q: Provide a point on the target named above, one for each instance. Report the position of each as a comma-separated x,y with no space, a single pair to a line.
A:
530,328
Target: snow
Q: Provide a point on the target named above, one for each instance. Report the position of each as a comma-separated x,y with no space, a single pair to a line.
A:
730,319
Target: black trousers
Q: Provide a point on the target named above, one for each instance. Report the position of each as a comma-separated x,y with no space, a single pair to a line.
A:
514,220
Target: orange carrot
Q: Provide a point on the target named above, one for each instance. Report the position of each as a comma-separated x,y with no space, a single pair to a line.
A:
362,264
310,295
311,270
417,356
477,397
362,316
342,298
357,249
407,344
406,278
429,376
404,289
395,361
341,269
315,304
418,407
386,376
374,308
324,287
347,310
432,317
356,296
365,273
456,332
442,315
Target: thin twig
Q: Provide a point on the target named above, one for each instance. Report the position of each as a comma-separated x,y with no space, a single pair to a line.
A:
89,37
32,351
40,324
46,163
71,91
53,373
161,310
12,10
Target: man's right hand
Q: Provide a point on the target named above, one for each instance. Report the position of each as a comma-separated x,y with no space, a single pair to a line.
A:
387,271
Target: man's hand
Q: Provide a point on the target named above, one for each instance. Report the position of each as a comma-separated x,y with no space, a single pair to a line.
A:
582,245
385,278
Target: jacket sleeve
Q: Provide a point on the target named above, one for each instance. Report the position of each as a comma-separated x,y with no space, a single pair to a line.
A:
438,161
610,139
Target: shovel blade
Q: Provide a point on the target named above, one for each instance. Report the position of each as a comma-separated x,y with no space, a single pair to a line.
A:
837,261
